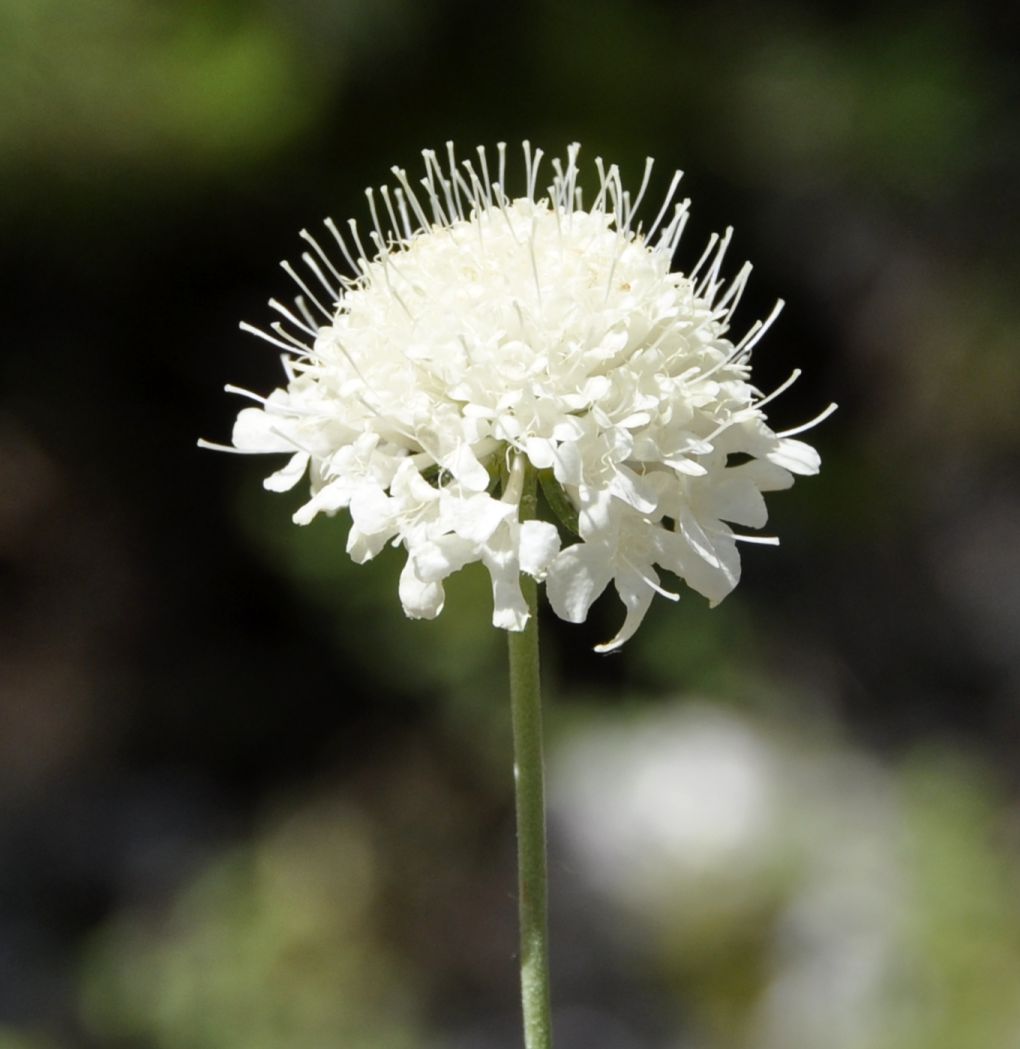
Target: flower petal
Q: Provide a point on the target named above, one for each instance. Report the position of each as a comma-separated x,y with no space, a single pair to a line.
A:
421,600
576,577
435,560
637,595
257,431
737,499
796,456
539,544
286,477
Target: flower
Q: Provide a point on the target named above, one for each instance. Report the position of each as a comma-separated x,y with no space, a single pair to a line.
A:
481,338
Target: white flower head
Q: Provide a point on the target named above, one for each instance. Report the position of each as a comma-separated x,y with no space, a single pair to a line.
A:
477,337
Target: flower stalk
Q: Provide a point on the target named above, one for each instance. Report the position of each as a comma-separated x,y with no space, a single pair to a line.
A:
529,797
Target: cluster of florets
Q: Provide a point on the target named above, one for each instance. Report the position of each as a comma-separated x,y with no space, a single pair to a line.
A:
485,339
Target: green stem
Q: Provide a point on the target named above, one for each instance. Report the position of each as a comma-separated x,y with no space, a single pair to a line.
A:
529,796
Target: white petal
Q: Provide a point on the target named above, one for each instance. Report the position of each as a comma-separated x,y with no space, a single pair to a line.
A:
257,431
795,456
575,579
686,466
596,514
765,476
285,478
714,581
361,547
463,464
509,609
421,600
738,500
539,544
328,499
477,517
434,561
637,595
568,463
699,542
629,487
541,452
372,510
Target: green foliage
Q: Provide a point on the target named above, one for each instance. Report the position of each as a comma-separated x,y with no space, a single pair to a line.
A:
13,1038
181,87
896,104
962,929
272,943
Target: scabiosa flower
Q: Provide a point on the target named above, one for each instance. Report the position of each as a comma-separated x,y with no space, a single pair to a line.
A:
479,337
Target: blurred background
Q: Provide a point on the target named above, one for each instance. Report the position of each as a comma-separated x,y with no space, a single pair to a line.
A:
245,803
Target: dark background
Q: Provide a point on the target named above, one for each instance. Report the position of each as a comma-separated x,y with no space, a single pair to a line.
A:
243,802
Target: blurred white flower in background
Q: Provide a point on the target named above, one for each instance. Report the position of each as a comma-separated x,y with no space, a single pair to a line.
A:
653,804
474,336
706,829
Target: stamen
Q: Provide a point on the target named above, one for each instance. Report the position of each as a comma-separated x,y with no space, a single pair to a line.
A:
501,152
336,293
405,218
572,172
616,195
709,283
821,417
620,239
292,273
308,238
480,196
782,388
600,199
304,310
295,342
709,248
532,163
279,409
501,204
279,343
338,236
280,308
474,191
352,225
758,329
384,192
429,183
670,236
483,160
731,299
401,176
649,164
454,176
452,206
387,265
674,182
381,242
213,446
534,264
